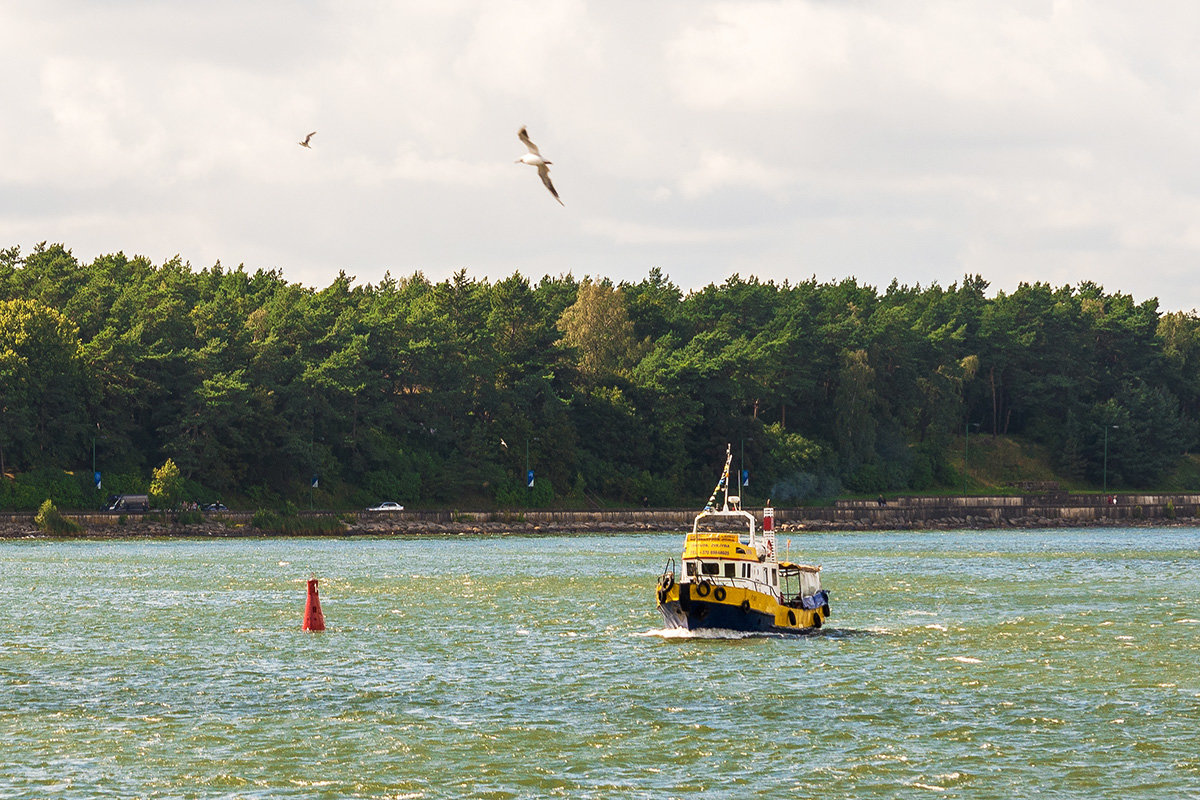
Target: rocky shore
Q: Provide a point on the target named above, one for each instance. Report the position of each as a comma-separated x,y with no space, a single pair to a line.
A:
232,527
988,523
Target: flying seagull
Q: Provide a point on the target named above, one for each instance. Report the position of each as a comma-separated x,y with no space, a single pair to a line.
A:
534,159
306,140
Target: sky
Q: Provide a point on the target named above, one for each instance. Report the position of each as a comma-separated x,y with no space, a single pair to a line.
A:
879,140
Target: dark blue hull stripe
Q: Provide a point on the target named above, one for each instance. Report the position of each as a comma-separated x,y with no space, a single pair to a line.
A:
703,614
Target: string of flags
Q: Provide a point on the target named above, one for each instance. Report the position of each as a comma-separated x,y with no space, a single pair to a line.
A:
712,500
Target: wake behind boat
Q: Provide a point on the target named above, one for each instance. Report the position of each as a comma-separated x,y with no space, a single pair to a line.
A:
732,579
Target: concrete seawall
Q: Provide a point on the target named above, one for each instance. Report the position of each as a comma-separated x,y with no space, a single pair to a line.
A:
905,513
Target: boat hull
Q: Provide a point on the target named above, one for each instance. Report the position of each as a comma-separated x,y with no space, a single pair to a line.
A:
736,610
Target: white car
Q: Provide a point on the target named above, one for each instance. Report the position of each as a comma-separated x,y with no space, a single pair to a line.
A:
388,506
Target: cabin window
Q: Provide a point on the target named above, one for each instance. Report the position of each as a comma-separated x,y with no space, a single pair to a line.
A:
731,570
691,567
710,569
774,578
745,570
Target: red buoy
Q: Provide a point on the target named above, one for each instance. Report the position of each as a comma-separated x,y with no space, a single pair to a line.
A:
314,620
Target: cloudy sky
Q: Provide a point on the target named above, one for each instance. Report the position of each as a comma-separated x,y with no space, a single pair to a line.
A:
1023,141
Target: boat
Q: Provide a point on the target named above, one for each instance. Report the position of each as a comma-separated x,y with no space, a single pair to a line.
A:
731,576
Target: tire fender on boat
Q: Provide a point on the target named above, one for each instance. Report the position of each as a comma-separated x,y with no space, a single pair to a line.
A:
664,586
745,606
719,593
703,589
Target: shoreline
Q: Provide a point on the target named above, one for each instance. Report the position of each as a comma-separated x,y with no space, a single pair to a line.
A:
1032,511
223,529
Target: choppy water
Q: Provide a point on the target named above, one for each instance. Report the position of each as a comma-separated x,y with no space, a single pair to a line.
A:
977,665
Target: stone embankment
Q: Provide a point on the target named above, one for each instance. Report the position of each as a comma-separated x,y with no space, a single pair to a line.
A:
234,524
969,522
906,513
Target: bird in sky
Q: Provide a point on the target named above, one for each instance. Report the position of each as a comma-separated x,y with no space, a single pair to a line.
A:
305,143
534,159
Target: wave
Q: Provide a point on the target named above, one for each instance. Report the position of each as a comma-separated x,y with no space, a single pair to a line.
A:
703,633
725,633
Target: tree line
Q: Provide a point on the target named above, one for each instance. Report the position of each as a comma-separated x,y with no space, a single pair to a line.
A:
448,392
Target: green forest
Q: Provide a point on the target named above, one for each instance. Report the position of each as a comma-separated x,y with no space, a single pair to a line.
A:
446,393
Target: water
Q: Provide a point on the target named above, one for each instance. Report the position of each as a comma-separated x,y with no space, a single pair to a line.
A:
993,664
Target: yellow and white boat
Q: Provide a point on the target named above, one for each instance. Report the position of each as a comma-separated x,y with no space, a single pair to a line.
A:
732,579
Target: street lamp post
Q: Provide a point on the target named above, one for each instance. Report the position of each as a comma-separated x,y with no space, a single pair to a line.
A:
966,450
742,472
95,475
1106,427
528,482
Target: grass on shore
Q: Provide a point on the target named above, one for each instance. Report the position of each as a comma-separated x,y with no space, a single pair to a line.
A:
292,524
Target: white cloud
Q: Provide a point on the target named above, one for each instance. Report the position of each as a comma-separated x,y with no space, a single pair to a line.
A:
628,232
755,56
918,141
716,171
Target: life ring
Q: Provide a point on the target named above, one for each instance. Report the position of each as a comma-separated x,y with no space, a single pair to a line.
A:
719,594
745,606
703,589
